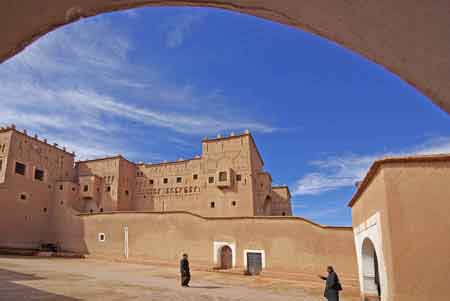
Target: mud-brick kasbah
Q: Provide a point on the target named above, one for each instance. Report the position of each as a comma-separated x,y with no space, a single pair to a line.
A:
222,209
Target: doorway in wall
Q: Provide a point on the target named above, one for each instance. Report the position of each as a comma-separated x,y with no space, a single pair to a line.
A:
254,263
371,276
226,258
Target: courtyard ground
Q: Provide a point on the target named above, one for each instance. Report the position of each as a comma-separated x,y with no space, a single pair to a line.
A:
33,278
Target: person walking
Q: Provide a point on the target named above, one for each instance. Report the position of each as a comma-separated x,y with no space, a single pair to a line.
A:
184,270
332,285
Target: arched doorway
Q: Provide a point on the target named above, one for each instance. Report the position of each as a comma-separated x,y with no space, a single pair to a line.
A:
268,206
226,258
370,270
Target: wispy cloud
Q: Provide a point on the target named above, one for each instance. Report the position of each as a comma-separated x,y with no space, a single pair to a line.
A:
78,84
336,172
180,27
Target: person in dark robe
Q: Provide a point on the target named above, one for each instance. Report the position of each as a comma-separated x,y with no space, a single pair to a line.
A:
332,285
184,270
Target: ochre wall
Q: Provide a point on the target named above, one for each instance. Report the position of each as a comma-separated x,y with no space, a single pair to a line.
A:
410,38
419,207
290,243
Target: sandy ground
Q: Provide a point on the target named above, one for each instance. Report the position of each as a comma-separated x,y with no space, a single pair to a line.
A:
30,278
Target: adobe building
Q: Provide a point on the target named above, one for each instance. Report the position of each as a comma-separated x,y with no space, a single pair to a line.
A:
400,216
219,207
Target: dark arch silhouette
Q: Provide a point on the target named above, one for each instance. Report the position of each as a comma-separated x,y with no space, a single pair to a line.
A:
379,30
226,258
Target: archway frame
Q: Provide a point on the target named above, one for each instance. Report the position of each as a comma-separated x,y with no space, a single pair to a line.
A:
370,230
217,247
404,38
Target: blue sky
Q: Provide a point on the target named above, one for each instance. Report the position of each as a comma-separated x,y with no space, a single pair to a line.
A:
151,83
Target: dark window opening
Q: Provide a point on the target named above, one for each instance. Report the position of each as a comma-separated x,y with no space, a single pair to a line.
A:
213,205
45,209
211,180
101,237
98,189
238,178
62,202
1,165
91,211
108,189
49,186
195,177
86,188
73,188
166,180
126,192
283,214
101,209
23,196
222,176
233,203
179,179
20,168
151,182
61,187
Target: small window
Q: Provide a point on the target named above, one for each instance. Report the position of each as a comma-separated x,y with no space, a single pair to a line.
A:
101,237
195,177
179,179
283,214
126,192
98,189
101,209
61,187
1,165
61,203
211,180
151,182
73,189
233,203
108,189
86,188
91,211
213,205
238,178
20,168
23,196
222,176
45,209
166,180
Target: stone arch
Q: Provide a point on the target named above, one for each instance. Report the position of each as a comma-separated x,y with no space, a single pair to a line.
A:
370,270
226,257
379,30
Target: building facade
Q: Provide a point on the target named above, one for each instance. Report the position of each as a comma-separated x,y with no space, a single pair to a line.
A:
401,229
228,179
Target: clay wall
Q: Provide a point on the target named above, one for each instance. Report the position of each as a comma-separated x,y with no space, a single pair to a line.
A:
281,201
290,244
418,207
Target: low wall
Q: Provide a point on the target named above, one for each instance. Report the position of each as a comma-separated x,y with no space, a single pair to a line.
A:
289,243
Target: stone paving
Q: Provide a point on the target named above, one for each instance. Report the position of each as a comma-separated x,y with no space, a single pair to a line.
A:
30,278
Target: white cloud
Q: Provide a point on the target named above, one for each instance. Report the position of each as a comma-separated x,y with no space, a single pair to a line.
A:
180,27
78,82
344,171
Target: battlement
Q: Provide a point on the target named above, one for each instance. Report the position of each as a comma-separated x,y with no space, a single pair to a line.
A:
24,133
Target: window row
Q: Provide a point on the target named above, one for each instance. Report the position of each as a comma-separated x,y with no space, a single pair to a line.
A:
21,169
213,204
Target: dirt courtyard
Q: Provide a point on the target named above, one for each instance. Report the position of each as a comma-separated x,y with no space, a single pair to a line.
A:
31,278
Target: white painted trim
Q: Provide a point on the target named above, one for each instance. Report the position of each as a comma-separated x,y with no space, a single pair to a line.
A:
99,235
125,241
217,246
371,229
263,257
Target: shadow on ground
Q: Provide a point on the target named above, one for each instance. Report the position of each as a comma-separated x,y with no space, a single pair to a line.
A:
11,290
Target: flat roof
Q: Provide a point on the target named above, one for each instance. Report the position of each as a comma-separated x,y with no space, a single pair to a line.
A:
376,165
105,158
237,136
7,129
283,187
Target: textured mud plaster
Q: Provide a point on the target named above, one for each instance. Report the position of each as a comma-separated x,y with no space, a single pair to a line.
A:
411,38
